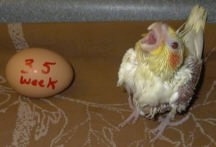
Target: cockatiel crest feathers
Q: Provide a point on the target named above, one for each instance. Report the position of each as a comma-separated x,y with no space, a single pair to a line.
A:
191,32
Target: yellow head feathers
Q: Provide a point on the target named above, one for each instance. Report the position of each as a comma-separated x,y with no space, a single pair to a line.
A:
161,50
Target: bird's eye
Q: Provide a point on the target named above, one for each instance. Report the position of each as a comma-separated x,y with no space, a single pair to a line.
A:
174,45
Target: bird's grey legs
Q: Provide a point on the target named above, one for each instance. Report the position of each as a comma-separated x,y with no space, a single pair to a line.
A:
132,118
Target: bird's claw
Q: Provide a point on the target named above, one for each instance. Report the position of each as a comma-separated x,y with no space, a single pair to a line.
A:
164,123
132,118
158,131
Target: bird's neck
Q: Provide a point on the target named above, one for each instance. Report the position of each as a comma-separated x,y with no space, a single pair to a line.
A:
158,65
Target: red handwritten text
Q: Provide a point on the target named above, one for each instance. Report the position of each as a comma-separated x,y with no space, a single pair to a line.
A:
28,63
40,83
49,83
46,66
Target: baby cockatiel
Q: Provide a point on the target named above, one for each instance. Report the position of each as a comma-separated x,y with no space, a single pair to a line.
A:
161,72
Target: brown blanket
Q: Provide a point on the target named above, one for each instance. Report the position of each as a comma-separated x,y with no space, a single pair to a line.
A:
89,111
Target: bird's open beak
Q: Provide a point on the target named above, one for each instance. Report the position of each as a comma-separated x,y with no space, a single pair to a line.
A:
154,37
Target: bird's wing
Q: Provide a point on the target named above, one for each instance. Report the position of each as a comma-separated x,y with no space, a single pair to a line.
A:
127,68
192,36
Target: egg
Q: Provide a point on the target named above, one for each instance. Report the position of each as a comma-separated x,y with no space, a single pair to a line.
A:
38,73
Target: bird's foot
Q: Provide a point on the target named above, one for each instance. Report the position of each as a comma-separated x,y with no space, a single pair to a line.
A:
131,119
158,131
164,123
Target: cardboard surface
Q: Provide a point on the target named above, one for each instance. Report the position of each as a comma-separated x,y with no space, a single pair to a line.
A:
89,111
